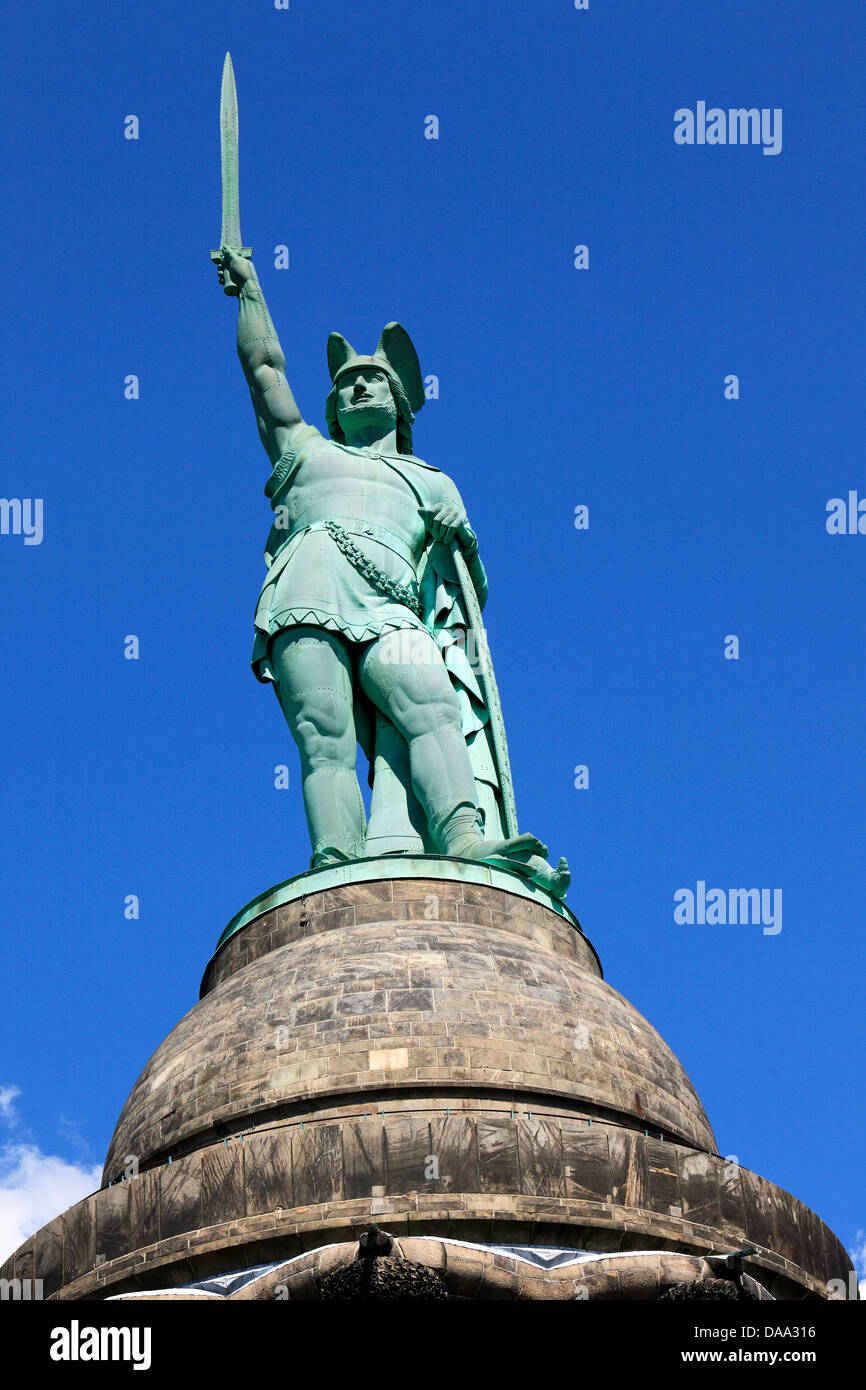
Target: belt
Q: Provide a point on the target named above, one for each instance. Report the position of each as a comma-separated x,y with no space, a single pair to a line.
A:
356,526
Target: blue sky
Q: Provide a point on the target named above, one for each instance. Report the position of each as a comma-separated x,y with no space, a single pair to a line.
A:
558,387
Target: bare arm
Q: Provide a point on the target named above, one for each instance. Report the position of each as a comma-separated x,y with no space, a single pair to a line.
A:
263,362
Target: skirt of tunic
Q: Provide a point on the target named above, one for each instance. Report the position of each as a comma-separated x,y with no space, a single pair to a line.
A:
311,583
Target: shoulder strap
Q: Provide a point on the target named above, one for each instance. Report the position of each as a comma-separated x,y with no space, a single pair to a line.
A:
415,484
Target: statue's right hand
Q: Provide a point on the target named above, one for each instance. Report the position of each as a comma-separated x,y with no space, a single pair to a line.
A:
233,271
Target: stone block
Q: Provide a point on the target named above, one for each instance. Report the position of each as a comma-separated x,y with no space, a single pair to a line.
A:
222,1183
180,1196
363,1158
268,1172
112,1221
541,1157
317,1164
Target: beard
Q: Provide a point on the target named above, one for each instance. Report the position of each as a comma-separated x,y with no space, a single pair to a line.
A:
381,414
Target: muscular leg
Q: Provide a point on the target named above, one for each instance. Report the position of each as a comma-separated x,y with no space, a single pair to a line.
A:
404,676
314,686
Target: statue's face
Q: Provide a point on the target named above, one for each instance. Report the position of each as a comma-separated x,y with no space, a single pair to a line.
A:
364,399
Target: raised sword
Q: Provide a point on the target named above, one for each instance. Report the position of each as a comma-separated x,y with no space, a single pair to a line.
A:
231,229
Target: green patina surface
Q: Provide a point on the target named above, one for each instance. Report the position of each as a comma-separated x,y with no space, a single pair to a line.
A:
369,620
420,866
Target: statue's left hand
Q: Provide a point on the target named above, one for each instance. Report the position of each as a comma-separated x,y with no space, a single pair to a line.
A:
446,523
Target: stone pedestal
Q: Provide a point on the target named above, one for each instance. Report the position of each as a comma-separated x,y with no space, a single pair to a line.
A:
428,1045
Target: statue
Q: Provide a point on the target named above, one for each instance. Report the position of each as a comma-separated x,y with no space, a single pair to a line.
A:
368,620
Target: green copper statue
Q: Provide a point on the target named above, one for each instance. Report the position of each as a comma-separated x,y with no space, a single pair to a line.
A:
368,619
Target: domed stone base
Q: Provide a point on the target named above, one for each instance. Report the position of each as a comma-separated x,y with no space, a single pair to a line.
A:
434,1051
425,1267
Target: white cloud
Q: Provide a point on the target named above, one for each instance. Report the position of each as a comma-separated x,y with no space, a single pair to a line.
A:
34,1188
8,1097
858,1258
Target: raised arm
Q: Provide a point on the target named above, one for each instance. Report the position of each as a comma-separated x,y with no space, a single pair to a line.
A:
261,357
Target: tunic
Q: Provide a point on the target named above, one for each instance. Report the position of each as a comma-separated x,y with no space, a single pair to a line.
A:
376,499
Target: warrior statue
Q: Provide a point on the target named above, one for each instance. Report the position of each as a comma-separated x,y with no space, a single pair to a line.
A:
362,623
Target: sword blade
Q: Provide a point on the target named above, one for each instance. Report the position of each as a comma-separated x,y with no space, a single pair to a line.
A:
490,690
231,227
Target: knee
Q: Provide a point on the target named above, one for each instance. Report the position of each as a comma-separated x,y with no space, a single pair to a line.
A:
323,727
404,675
424,714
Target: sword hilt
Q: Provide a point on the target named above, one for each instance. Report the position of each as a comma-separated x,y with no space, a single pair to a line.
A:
229,286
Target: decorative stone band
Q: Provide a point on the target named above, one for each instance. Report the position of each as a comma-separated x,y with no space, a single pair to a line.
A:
554,1182
470,1270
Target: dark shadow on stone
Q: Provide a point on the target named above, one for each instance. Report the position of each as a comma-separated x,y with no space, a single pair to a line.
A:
707,1290
385,1277
380,1272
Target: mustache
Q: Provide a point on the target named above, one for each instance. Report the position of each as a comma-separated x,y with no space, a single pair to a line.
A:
386,407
